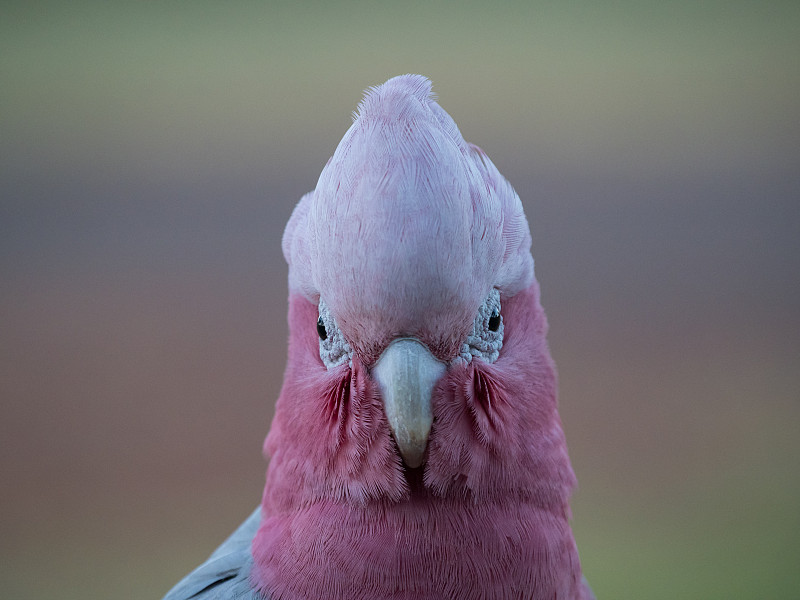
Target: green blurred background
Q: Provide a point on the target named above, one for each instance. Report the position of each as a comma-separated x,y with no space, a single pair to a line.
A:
151,153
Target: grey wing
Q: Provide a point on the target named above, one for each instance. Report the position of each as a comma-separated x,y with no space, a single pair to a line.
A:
588,594
226,573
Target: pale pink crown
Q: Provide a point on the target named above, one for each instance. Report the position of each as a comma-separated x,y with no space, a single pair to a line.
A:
407,218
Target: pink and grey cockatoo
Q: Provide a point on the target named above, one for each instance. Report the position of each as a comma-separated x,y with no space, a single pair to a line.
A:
416,450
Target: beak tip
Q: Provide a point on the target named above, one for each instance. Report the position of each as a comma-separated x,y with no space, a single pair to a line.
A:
413,458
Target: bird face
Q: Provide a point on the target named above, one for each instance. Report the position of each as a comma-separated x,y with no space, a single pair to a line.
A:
406,371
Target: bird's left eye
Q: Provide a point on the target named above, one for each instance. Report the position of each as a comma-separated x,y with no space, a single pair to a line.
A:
486,338
494,320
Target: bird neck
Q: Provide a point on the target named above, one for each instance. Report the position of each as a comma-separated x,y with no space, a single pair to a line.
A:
422,547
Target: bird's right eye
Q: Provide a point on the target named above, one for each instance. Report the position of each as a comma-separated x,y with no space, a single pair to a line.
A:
333,347
323,333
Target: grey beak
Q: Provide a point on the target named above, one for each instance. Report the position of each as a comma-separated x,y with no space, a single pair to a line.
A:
407,373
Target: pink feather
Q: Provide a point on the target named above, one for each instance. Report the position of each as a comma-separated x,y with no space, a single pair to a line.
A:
407,231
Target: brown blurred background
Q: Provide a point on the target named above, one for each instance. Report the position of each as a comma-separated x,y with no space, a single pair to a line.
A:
151,153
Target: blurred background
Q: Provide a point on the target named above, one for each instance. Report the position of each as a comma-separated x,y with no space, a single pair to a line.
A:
151,153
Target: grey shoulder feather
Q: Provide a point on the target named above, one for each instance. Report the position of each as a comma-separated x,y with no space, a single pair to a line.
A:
226,573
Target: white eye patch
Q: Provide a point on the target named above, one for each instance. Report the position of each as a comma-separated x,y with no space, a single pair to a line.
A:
486,337
333,348
484,341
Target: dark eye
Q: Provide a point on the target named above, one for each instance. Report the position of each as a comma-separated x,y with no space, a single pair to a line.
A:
494,321
323,334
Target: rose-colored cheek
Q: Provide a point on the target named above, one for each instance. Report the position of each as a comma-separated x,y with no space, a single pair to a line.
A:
329,439
496,431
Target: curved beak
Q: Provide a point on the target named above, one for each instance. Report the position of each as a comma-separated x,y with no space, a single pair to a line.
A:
407,373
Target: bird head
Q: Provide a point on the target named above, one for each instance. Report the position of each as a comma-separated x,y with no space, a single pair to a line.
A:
417,342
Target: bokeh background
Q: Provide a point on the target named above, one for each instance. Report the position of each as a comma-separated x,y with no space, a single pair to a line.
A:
151,153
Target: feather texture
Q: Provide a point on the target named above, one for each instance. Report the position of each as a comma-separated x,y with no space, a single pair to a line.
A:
226,573
411,232
410,219
407,232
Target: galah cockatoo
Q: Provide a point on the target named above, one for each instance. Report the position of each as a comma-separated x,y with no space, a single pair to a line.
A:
416,450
